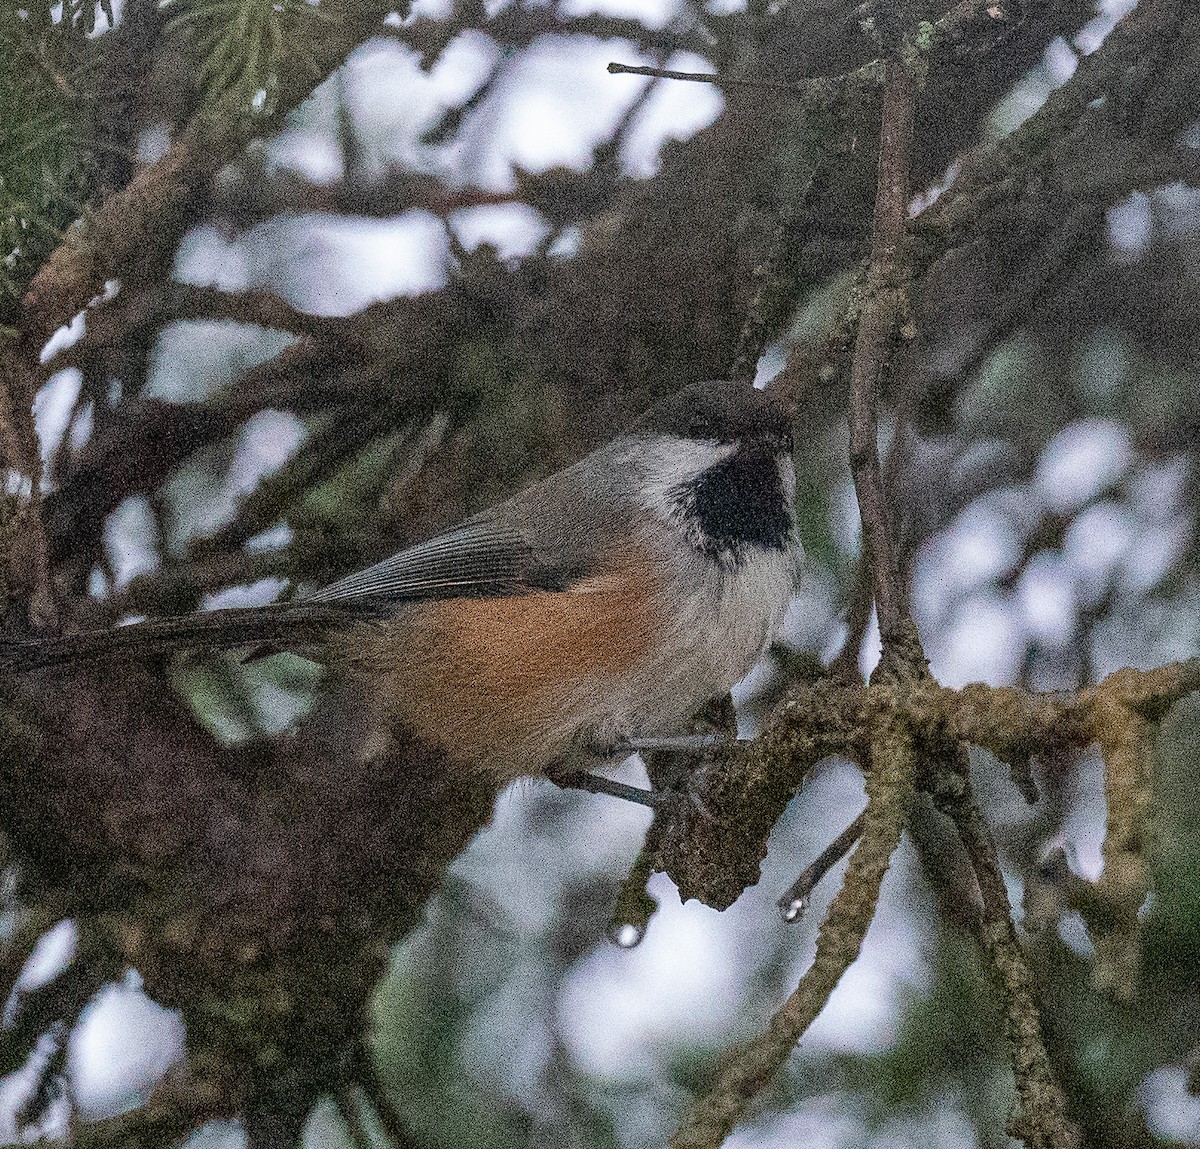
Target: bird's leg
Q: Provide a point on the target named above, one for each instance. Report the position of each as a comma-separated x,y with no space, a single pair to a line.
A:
685,743
574,772
598,784
622,748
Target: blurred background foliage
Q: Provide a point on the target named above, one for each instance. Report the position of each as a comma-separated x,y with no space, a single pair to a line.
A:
470,256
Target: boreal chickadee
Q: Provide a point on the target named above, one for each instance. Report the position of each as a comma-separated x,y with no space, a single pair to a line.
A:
610,600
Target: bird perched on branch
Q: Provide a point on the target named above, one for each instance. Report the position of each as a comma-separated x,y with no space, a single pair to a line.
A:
610,600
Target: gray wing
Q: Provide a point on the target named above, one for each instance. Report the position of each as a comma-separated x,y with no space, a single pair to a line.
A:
482,558
548,537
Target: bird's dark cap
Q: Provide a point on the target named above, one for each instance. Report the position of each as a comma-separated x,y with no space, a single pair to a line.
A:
726,412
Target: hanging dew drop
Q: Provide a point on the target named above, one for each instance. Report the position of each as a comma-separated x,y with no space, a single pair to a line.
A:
625,934
793,911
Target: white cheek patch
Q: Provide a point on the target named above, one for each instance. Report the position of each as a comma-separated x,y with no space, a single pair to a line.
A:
668,463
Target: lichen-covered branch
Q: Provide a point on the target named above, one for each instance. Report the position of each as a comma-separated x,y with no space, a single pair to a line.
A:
899,721
1039,1112
713,848
751,1067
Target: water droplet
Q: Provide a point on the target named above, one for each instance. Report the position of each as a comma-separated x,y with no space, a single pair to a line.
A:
793,911
626,934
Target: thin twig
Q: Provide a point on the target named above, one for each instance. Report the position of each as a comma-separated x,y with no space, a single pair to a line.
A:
905,389
768,280
160,591
858,618
259,307
877,328
1028,288
347,1107
519,25
943,859
341,438
617,69
113,324
816,91
793,903
815,365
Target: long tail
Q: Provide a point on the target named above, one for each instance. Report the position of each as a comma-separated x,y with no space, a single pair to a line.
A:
283,625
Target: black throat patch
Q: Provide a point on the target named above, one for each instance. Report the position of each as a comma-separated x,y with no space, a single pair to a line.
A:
737,503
